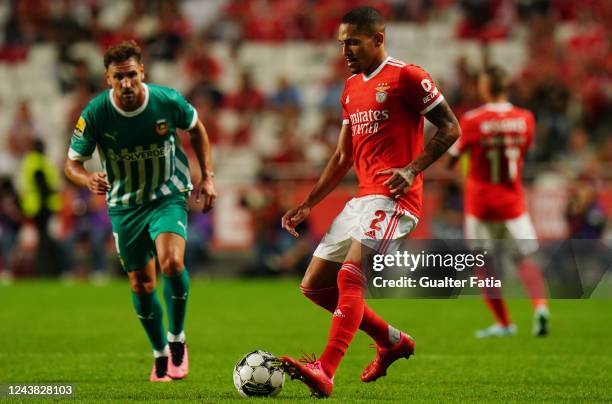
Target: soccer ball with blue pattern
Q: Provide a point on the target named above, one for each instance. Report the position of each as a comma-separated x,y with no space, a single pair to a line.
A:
259,373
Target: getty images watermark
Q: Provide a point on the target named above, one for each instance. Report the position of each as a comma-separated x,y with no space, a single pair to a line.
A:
405,261
418,268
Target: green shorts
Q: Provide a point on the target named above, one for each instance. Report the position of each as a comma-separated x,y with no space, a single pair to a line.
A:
136,227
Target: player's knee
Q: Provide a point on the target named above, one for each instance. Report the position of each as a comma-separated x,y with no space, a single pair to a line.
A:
141,283
320,275
142,287
172,264
307,283
307,290
326,297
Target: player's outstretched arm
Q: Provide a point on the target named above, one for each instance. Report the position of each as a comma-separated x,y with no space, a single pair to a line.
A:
206,187
338,165
448,132
78,175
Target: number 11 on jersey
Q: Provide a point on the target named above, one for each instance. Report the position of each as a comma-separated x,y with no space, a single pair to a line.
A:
511,156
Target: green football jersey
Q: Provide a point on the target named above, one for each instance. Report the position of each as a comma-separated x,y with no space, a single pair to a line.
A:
139,149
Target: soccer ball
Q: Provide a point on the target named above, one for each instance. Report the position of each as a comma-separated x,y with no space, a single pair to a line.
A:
259,373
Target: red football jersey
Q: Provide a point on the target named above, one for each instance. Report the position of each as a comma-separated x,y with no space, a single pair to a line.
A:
385,110
497,137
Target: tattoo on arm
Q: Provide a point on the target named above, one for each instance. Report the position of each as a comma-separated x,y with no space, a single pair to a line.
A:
448,132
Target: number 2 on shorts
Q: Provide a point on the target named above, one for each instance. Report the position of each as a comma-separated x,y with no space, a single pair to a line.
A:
380,216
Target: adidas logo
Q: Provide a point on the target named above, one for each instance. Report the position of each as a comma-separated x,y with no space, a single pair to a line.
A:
371,234
338,313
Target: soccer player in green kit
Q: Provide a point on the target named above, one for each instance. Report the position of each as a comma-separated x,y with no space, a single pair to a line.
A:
146,180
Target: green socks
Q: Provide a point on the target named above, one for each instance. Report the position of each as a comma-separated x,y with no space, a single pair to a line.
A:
176,291
149,311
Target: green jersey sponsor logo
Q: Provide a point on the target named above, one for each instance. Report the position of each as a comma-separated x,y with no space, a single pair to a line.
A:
154,151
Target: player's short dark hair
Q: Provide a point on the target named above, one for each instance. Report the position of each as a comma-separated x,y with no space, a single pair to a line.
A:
498,79
367,20
122,52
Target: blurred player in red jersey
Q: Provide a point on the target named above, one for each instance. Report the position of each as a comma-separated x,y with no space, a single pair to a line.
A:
383,104
497,136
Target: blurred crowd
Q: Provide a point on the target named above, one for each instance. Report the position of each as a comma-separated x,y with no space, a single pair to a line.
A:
565,81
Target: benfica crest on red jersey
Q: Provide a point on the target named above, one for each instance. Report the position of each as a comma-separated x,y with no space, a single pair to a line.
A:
381,93
161,127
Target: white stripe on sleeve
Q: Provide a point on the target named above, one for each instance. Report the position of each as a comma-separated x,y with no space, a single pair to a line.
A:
194,120
431,106
76,156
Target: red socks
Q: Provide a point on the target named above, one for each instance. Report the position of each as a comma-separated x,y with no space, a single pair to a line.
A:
375,327
493,298
371,323
499,310
347,316
532,279
324,297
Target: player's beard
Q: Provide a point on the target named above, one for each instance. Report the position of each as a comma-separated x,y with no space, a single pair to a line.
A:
129,99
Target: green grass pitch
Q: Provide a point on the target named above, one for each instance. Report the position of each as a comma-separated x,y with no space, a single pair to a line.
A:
89,336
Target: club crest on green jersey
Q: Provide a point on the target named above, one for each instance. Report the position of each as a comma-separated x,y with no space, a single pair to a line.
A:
161,127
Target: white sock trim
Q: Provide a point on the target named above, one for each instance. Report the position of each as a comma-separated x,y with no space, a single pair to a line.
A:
164,352
394,335
176,338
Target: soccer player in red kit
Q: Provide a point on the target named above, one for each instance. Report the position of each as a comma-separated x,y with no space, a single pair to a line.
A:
383,104
497,136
